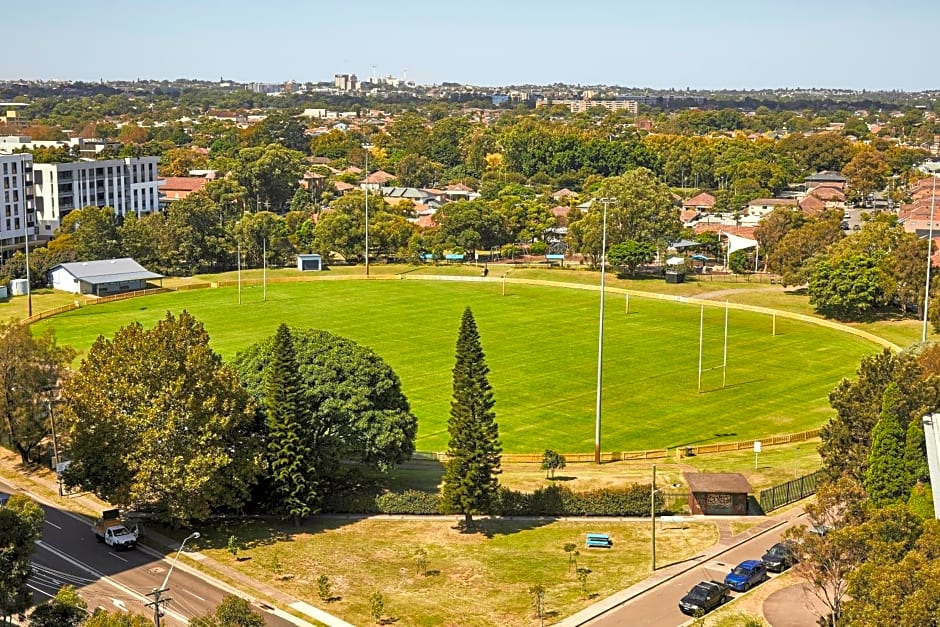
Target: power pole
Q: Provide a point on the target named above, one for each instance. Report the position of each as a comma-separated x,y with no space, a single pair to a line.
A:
158,600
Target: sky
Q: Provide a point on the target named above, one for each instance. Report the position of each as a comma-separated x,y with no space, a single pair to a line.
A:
665,44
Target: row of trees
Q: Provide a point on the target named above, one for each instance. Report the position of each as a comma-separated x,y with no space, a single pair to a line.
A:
849,277
155,419
876,561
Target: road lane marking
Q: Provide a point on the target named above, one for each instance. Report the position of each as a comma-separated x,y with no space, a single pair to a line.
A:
117,556
101,576
193,594
54,525
34,588
118,603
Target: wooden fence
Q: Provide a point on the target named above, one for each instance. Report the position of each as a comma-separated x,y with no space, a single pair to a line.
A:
583,458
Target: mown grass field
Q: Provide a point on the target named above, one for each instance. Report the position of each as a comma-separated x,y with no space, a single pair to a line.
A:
541,347
471,579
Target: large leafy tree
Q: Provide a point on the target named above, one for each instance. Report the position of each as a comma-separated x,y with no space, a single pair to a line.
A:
847,437
31,370
92,232
887,479
849,290
631,254
797,251
473,464
269,174
470,225
21,522
155,418
351,407
640,208
867,172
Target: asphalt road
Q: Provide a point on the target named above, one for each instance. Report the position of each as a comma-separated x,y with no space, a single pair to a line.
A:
68,553
659,607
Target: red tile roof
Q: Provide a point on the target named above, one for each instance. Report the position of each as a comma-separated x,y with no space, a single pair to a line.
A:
183,183
811,205
703,199
743,231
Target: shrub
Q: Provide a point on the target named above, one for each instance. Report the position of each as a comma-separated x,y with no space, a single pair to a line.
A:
633,500
407,502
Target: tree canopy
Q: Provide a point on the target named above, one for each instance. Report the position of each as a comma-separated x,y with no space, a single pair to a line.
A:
156,419
350,408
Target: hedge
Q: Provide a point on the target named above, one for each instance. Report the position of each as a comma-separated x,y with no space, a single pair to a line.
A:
633,500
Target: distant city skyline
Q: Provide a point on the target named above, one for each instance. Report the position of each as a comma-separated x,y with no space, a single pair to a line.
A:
723,44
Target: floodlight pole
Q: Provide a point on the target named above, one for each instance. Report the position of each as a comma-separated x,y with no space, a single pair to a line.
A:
367,148
600,338
29,289
933,198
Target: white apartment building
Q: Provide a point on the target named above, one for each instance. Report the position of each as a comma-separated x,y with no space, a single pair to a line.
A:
17,207
128,185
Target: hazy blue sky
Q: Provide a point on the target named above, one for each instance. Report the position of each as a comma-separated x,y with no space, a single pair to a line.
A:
666,44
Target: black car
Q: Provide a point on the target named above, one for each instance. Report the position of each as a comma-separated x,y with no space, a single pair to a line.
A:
779,557
704,597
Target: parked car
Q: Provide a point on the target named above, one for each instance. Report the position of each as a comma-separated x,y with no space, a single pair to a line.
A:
4,497
779,557
746,575
704,597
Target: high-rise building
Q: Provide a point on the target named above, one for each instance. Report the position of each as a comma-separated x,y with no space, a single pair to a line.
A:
128,185
17,206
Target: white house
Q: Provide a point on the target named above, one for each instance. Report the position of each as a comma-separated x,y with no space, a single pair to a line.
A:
101,278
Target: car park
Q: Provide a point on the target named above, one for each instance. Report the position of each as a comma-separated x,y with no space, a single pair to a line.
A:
779,557
746,575
704,597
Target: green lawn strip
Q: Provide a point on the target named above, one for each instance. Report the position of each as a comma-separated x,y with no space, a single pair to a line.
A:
775,464
541,347
473,579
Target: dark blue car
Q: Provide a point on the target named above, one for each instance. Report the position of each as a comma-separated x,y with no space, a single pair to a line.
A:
746,575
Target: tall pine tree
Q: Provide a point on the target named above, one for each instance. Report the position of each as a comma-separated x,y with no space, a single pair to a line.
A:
470,478
288,454
888,480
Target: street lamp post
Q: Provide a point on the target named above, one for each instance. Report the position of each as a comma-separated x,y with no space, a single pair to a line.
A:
157,593
29,290
600,337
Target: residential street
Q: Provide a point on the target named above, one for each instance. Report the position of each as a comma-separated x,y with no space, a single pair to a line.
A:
69,554
654,602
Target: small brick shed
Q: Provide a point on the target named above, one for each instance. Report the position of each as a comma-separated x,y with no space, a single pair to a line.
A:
719,493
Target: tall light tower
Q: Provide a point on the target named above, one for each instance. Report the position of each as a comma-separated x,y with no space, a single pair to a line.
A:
600,335
368,147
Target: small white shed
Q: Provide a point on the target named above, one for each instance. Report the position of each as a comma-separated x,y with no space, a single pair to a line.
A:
309,262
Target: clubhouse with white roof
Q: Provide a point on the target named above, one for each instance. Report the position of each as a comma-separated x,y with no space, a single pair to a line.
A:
101,278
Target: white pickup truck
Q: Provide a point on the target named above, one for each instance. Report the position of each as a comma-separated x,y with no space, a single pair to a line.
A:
111,530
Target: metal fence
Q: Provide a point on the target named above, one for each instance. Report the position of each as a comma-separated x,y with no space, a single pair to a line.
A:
789,492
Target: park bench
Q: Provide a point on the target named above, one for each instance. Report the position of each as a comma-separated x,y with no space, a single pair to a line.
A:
601,540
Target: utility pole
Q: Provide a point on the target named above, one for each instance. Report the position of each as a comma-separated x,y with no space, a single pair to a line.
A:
158,600
653,516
